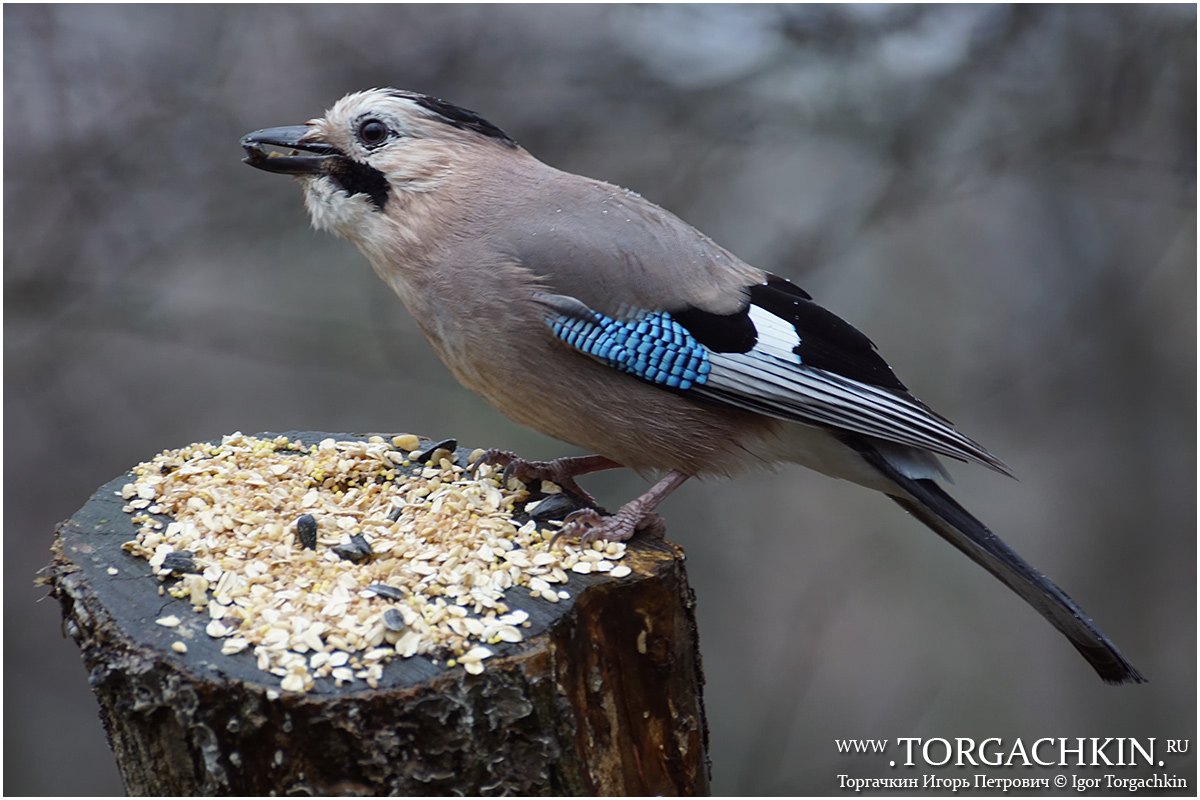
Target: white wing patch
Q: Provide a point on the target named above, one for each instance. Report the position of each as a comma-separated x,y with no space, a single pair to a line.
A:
771,380
775,336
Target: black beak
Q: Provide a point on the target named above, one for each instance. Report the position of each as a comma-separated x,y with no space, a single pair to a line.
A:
301,158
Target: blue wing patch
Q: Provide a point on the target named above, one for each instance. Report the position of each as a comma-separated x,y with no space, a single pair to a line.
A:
650,345
758,360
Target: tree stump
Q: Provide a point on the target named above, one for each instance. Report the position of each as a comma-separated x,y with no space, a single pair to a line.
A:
602,696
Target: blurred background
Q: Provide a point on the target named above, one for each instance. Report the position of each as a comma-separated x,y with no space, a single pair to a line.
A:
1002,197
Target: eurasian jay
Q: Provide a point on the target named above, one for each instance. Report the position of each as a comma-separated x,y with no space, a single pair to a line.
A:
590,314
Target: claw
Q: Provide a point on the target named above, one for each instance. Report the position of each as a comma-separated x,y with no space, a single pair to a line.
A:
497,458
589,526
524,471
560,471
637,515
586,524
513,466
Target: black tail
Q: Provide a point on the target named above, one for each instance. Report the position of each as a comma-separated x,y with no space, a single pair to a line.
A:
927,502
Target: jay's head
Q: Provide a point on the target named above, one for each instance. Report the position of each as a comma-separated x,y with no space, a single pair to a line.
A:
371,151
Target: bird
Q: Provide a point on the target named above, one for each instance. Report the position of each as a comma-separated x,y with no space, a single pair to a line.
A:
588,313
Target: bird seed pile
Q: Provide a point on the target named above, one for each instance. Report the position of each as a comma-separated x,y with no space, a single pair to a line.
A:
330,559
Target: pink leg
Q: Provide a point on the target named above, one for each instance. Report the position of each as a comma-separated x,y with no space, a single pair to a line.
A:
588,525
562,471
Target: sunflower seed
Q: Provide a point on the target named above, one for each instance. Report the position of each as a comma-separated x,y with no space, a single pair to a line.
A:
306,531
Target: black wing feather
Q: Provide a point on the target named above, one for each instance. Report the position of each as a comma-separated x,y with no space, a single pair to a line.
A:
827,341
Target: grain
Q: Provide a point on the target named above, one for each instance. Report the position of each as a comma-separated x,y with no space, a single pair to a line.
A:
329,559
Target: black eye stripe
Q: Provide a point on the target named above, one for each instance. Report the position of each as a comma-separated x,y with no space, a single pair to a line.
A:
358,178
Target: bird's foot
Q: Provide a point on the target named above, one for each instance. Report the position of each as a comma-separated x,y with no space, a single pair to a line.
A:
560,471
637,515
588,525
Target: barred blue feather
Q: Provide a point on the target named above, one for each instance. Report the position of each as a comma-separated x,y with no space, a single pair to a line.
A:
769,372
652,346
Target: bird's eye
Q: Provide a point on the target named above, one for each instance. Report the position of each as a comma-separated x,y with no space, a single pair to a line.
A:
372,132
